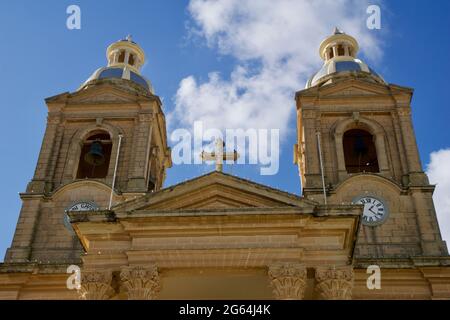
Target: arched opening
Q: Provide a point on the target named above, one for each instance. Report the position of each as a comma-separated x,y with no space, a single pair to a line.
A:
340,50
331,53
121,56
131,60
360,152
95,156
350,51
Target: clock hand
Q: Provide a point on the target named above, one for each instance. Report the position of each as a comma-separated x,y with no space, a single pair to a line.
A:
376,213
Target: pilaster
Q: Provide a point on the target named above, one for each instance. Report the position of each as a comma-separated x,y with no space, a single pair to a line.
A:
141,152
40,182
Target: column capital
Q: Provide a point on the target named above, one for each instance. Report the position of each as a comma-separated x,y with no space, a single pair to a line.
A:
140,282
334,283
96,285
288,280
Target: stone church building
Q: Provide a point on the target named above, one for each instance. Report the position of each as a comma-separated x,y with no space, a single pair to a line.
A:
364,228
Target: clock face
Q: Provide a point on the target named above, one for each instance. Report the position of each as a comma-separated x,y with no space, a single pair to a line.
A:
375,211
79,206
83,206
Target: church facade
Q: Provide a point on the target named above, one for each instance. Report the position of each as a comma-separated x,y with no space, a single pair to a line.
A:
364,228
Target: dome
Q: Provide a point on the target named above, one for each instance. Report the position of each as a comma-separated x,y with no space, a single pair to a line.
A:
120,73
339,54
337,68
125,58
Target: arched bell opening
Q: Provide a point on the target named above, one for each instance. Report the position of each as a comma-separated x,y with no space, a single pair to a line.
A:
121,58
360,152
131,60
95,156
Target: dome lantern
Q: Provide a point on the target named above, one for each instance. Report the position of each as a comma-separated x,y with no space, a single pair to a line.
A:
125,53
125,59
338,45
339,52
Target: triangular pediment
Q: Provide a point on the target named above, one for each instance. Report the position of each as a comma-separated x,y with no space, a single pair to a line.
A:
103,94
215,191
354,88
352,91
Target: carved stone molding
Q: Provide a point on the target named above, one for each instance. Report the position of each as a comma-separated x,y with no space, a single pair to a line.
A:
102,98
404,112
288,280
96,285
141,282
334,283
145,117
309,114
53,119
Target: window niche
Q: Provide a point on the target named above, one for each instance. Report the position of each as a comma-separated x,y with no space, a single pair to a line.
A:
95,156
360,152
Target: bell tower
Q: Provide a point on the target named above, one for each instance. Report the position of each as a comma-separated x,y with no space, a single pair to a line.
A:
356,144
104,144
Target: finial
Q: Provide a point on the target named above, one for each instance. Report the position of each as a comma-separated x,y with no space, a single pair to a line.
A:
129,38
337,31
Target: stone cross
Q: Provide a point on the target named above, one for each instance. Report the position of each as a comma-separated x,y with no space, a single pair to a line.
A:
218,155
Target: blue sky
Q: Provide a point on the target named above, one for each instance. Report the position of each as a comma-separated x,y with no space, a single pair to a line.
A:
40,58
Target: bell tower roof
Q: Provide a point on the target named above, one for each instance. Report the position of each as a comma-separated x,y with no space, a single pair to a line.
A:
125,59
339,53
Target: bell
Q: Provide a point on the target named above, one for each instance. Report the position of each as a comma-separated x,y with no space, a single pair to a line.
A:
95,155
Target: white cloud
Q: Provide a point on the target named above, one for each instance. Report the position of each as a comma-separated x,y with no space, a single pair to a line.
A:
439,173
275,44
